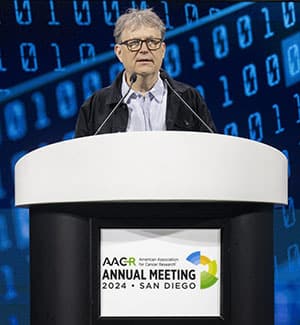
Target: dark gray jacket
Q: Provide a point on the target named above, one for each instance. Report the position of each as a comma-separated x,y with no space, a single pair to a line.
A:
178,118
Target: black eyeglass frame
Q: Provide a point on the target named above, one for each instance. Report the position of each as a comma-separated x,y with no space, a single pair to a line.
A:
141,43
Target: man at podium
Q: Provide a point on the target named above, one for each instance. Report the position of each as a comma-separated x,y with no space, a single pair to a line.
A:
143,97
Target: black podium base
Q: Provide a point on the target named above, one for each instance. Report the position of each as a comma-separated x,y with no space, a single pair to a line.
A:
64,248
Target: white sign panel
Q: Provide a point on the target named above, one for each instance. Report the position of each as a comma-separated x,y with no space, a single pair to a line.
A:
160,272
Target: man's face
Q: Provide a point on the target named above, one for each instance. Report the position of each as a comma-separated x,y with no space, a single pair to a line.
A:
144,61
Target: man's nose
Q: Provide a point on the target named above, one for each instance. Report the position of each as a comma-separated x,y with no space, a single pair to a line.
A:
144,47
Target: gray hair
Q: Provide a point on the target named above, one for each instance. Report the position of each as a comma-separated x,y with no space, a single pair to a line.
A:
134,18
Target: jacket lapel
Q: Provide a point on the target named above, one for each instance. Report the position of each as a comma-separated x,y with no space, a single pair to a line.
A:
119,118
173,104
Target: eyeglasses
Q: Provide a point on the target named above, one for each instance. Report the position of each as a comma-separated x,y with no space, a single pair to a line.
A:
135,45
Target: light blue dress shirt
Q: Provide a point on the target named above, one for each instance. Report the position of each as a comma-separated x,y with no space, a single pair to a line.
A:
146,112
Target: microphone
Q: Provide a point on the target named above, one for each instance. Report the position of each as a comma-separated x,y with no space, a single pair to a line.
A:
164,77
132,79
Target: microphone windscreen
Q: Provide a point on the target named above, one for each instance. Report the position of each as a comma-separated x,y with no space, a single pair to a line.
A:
133,78
163,75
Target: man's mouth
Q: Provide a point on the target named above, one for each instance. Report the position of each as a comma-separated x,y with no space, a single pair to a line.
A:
144,60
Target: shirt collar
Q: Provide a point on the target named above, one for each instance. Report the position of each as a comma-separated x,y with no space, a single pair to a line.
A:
157,91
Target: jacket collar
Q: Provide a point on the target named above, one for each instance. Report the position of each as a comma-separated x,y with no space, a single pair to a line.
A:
116,86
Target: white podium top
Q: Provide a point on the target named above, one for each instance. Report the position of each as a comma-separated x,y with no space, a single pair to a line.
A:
152,166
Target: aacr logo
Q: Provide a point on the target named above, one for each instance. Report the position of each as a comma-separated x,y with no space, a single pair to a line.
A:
122,261
207,278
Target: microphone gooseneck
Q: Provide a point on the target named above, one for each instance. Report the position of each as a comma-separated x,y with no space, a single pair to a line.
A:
132,80
163,76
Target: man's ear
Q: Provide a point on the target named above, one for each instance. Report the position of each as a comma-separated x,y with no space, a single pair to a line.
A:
163,45
118,52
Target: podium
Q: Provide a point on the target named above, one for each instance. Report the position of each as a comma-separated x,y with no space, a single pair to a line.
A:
147,227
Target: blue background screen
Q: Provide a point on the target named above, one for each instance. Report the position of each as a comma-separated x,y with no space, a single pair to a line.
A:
243,57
